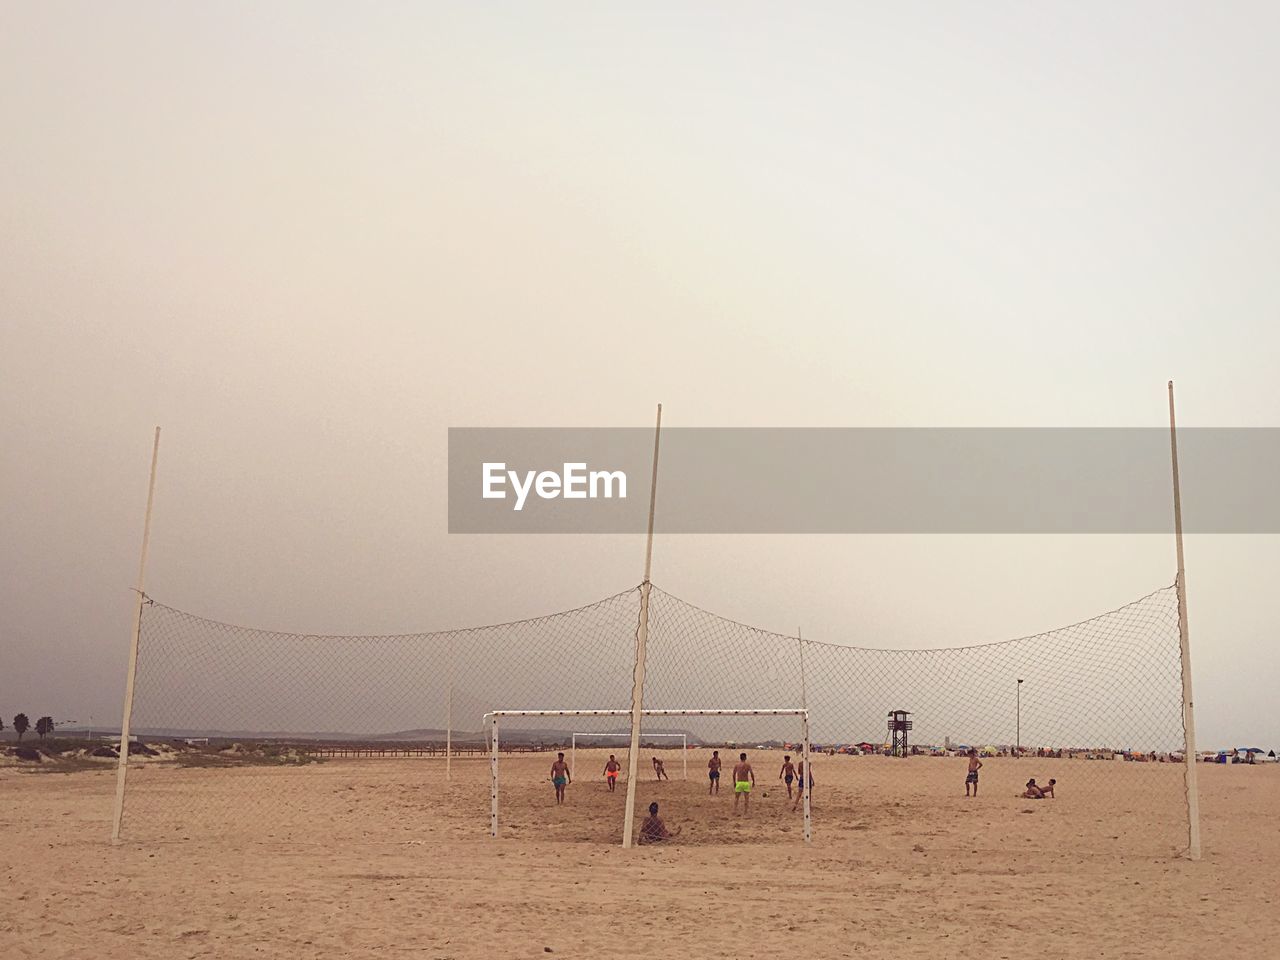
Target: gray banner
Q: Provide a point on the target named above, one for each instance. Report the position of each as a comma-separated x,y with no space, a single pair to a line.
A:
920,480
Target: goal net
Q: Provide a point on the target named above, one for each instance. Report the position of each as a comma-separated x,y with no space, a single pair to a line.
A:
744,751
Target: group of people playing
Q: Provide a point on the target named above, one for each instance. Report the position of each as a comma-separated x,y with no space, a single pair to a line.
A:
653,830
744,780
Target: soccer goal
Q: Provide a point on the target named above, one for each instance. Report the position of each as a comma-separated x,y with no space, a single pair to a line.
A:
588,737
495,718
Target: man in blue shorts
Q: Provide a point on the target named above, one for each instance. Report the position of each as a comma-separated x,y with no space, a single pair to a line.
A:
971,778
560,776
800,792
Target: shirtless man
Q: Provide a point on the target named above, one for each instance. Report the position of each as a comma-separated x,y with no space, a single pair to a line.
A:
560,776
660,769
972,776
787,773
713,772
744,778
653,830
800,790
611,769
1035,791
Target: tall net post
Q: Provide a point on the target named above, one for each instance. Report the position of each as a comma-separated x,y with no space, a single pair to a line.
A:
448,732
1184,646
807,758
642,639
135,635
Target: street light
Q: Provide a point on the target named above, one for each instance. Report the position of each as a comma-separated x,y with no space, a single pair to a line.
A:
1017,750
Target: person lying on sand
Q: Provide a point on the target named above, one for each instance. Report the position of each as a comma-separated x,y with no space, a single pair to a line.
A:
611,770
1047,789
660,769
653,830
560,776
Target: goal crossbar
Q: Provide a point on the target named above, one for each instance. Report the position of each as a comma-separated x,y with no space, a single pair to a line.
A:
494,717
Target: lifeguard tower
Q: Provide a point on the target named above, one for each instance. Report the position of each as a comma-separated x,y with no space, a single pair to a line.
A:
899,727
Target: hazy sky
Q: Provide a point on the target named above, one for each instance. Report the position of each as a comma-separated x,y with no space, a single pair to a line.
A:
306,239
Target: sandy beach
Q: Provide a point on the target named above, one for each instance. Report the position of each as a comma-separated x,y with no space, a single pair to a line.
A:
383,858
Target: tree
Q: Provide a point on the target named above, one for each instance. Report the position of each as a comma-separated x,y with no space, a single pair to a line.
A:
21,724
44,726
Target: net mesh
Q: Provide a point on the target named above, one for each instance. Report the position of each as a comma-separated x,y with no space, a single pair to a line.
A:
308,725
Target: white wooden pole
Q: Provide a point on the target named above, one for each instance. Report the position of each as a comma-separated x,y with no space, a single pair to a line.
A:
493,780
573,752
1184,640
804,699
642,639
808,780
684,750
122,765
448,732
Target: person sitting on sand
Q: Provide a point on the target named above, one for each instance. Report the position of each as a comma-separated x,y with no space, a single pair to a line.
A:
611,770
653,830
560,776
1032,792
660,769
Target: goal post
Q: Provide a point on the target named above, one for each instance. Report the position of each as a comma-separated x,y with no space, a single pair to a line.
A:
586,735
494,718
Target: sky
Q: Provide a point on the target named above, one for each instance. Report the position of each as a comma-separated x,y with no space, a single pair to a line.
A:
308,239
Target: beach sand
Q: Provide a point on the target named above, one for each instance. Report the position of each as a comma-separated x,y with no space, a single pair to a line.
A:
383,858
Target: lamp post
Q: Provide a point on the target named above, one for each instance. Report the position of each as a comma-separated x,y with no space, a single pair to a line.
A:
1017,750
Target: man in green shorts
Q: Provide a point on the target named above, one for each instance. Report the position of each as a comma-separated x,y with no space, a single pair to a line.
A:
744,778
